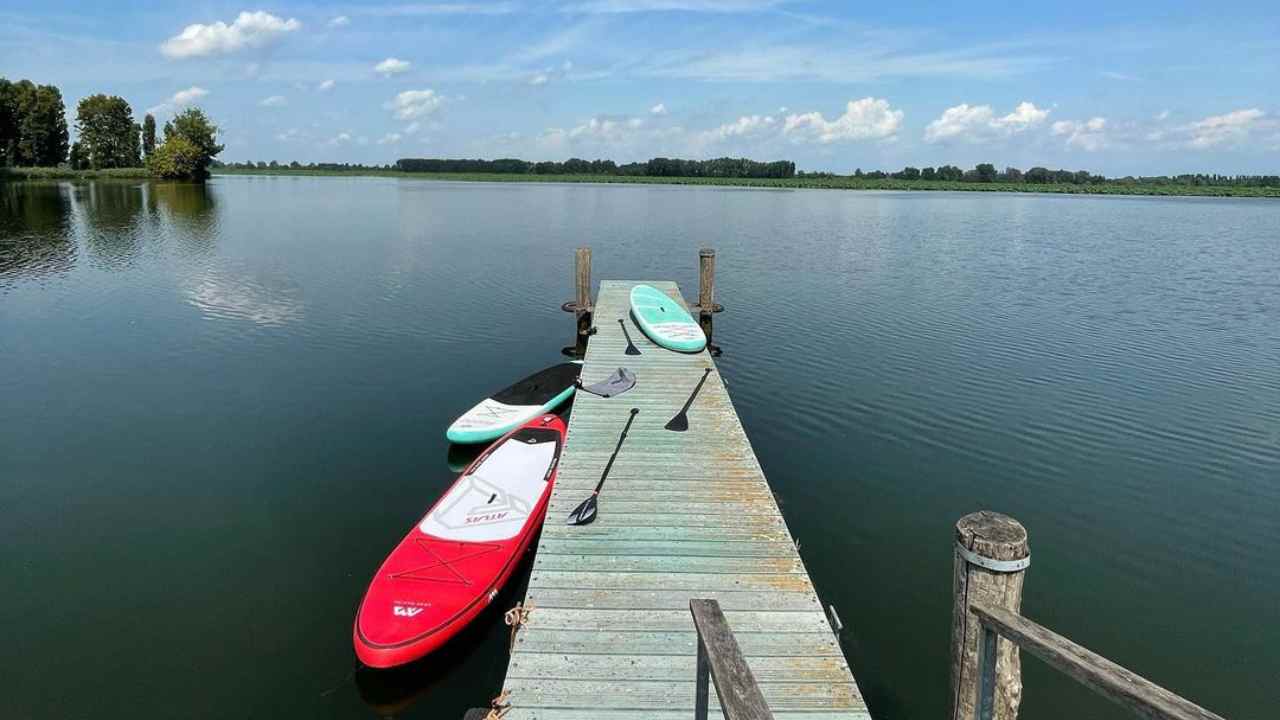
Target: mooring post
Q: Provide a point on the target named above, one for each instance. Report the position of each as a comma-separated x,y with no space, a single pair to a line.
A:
707,294
580,306
991,558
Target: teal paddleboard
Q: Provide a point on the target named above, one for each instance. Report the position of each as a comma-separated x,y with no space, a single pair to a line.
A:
664,321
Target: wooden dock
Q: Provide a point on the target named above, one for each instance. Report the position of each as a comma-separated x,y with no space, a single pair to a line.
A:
683,515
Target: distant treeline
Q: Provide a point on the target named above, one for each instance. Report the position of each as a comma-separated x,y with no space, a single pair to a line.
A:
295,165
657,167
987,173
731,168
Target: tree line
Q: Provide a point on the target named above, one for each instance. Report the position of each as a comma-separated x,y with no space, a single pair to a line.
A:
33,133
987,173
657,167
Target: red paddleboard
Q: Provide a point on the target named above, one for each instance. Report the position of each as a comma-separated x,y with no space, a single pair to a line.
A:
456,560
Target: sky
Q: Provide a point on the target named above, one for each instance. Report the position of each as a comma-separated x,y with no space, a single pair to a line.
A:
1139,87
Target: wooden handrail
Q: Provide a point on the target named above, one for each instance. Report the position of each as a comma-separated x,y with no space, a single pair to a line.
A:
720,658
1141,696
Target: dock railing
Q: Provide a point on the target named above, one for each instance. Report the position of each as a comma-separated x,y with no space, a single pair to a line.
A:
991,557
720,660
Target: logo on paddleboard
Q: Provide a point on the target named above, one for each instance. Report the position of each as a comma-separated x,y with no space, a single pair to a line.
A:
479,502
402,611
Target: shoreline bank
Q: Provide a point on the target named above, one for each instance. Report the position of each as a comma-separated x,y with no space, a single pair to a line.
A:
812,183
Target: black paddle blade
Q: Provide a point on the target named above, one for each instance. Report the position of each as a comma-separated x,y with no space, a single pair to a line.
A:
584,513
631,348
679,423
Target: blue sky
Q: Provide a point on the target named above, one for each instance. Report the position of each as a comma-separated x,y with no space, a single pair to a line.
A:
1120,88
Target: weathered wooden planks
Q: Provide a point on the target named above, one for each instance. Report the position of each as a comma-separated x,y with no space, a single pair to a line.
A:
684,515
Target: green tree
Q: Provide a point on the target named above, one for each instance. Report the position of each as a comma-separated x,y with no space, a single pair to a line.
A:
76,158
986,172
135,144
189,147
33,124
107,132
176,158
8,122
148,135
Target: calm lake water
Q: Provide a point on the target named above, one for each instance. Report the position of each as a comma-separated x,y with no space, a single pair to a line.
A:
223,405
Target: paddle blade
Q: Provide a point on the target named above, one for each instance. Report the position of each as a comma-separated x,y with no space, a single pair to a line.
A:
679,423
585,513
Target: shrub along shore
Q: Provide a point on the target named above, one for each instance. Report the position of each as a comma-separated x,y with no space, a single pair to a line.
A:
828,182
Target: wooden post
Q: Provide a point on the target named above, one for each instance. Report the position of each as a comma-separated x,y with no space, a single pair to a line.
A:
720,657
707,292
991,557
582,299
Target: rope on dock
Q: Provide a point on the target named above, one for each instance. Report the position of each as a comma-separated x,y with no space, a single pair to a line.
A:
517,617
499,707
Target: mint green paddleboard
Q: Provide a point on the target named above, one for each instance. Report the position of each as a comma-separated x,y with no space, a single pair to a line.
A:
664,321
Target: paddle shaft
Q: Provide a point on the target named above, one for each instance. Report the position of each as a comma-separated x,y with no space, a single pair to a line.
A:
631,347
609,465
693,395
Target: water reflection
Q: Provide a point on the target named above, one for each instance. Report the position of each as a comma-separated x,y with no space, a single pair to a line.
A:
192,212
262,296
460,456
45,226
34,237
110,218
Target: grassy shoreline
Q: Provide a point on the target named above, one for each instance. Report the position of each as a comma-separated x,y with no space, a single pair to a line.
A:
56,173
831,183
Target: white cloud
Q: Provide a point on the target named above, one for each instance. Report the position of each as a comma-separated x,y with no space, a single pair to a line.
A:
551,74
865,119
1162,115
1089,135
180,99
956,121
249,30
339,21
1024,116
978,123
392,66
289,135
1113,75
1230,129
745,126
183,98
325,86
341,138
605,129
412,128
413,104
274,101
389,139
659,109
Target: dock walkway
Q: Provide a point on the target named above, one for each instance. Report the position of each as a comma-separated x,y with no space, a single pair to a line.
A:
682,515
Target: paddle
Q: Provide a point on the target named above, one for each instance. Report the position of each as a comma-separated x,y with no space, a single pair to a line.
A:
631,348
586,512
680,422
